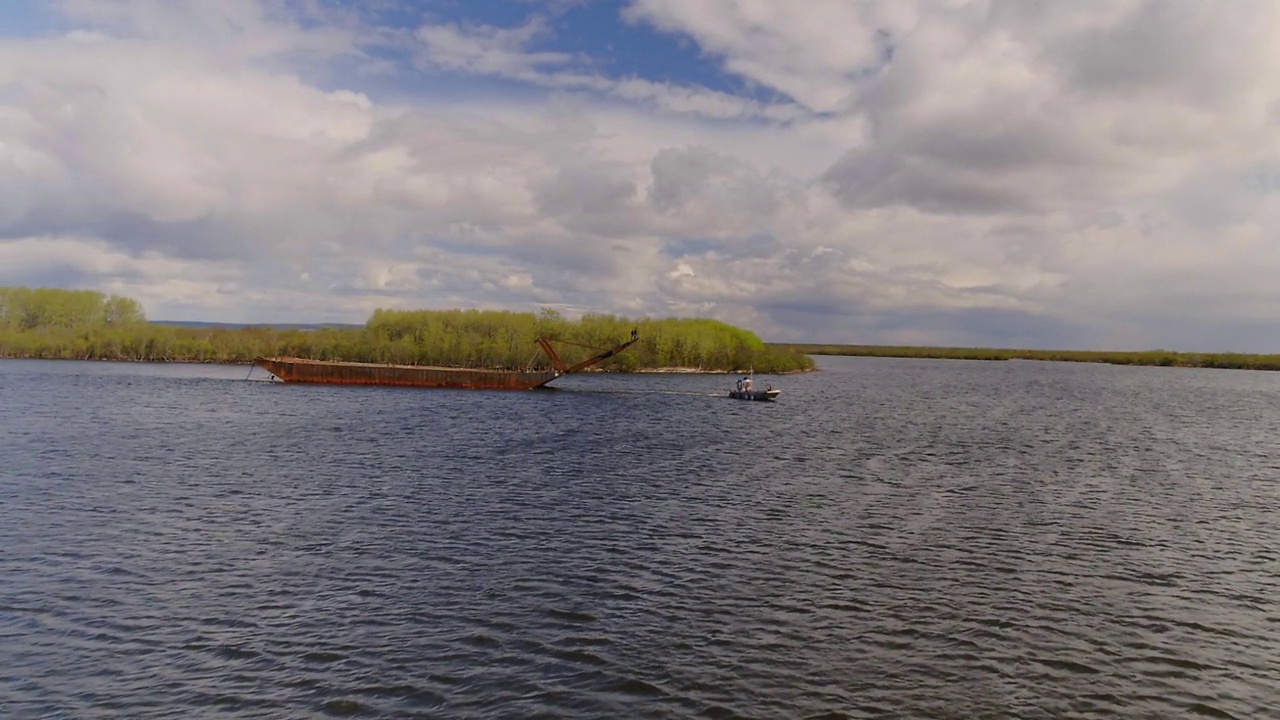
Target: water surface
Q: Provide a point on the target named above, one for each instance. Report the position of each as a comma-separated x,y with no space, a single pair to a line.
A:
892,538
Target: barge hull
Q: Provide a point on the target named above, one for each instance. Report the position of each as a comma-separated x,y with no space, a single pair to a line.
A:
300,370
297,370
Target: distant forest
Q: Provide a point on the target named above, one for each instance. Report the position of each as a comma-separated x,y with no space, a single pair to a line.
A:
1163,358
87,325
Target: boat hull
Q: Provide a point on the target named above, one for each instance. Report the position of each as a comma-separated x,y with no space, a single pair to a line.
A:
298,370
762,395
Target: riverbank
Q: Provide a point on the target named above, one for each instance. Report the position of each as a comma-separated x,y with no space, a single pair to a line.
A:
56,324
706,371
248,363
1155,358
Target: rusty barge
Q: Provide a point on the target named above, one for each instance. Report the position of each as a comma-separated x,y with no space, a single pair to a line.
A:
299,370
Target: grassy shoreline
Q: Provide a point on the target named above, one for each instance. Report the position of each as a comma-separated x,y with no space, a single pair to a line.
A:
1153,358
247,363
1150,358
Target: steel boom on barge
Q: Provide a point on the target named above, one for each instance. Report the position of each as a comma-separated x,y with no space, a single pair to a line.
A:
300,370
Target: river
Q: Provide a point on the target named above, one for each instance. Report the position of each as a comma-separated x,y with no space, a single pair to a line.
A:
892,538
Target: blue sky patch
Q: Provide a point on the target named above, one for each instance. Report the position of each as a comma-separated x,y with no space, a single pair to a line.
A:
594,33
20,18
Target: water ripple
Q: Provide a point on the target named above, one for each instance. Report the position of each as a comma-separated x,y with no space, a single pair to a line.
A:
894,539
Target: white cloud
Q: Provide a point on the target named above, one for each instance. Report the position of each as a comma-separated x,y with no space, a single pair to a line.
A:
150,277
816,54
503,52
486,49
967,172
254,29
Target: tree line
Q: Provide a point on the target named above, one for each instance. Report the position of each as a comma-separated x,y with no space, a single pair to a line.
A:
1162,358
28,309
89,325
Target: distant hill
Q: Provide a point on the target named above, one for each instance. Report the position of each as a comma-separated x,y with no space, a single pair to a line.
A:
239,326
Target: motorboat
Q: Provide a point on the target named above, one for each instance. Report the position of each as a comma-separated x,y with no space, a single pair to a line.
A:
744,391
767,394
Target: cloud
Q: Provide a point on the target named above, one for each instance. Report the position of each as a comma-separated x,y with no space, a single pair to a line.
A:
504,53
240,28
986,172
150,277
488,50
816,57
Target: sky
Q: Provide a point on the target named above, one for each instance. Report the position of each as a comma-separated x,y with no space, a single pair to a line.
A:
1011,173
